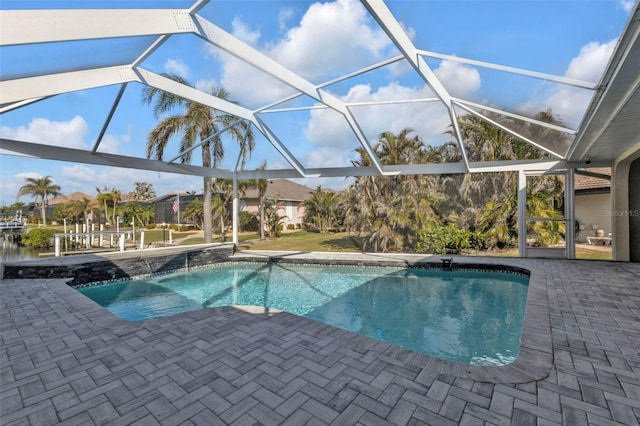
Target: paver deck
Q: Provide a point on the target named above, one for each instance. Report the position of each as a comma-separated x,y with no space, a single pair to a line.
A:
64,359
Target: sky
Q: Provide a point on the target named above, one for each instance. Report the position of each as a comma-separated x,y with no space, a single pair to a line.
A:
319,41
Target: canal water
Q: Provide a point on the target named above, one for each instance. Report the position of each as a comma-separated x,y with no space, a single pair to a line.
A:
12,251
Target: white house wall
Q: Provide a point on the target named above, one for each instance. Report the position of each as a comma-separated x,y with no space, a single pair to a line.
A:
592,210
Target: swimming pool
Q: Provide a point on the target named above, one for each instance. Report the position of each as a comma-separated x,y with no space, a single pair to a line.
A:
474,317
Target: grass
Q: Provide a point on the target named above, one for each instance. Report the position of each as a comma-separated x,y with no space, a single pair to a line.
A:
307,241
315,241
344,242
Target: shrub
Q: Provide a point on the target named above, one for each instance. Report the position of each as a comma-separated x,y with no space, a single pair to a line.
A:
446,240
151,226
291,226
248,222
39,237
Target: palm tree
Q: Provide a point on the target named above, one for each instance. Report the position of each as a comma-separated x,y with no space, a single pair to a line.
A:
40,189
321,208
194,211
194,122
390,210
273,218
142,191
81,208
135,210
109,197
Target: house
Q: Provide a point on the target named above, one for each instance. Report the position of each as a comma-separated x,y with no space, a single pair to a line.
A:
291,194
52,203
592,202
165,212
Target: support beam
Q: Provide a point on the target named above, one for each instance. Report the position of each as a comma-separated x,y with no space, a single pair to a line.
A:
109,117
51,152
522,214
569,213
528,73
232,45
235,210
20,89
399,37
54,25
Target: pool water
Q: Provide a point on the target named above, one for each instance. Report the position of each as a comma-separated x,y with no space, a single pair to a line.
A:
472,317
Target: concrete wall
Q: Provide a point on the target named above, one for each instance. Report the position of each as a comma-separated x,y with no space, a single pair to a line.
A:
622,186
590,210
634,211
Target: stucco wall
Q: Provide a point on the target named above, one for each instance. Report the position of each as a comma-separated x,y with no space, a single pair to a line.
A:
621,187
634,211
592,209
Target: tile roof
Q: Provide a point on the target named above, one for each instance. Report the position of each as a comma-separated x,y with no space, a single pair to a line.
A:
582,182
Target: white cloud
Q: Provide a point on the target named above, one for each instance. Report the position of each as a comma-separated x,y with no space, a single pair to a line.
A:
283,16
206,85
626,5
68,134
460,80
244,33
330,39
86,178
590,63
328,132
570,103
176,66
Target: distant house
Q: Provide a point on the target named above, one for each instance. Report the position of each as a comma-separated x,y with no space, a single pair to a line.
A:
163,207
592,202
52,203
291,194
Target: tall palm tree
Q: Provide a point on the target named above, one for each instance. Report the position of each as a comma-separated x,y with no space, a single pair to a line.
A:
195,122
40,189
390,209
109,198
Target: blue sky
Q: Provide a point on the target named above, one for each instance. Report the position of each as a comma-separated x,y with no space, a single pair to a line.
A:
319,41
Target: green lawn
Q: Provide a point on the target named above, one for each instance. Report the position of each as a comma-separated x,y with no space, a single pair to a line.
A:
342,241
306,241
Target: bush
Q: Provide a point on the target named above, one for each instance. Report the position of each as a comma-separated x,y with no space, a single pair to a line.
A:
291,226
39,237
446,240
151,226
248,222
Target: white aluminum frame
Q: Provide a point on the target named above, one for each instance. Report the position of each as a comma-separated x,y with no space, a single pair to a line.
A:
66,25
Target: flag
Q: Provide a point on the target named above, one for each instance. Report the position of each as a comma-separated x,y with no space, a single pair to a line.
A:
176,204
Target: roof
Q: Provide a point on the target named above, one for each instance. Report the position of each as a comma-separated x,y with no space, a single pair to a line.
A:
74,196
282,189
84,50
591,182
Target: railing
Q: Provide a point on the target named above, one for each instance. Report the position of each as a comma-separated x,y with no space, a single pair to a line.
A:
88,239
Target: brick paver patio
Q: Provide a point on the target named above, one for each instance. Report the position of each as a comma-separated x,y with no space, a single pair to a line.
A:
66,360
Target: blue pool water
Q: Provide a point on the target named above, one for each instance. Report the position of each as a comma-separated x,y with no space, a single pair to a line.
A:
466,316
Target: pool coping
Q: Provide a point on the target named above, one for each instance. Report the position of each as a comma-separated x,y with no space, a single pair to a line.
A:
535,358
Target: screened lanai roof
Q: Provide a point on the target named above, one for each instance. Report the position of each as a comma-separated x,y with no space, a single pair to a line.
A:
318,81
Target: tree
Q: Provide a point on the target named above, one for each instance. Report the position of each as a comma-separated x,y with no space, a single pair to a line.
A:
81,208
40,189
321,208
390,209
195,122
109,198
194,211
261,186
143,213
142,191
273,219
